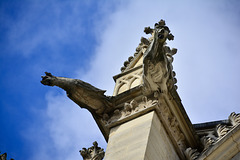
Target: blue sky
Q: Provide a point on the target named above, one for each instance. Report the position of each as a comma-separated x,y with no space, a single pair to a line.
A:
90,40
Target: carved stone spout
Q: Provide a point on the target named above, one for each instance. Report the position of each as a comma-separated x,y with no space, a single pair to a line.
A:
82,93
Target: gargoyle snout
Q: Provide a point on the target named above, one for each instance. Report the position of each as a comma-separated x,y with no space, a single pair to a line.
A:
46,81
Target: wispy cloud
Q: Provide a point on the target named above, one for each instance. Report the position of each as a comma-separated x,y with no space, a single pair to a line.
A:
49,24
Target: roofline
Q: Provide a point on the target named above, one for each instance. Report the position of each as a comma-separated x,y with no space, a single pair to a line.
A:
211,124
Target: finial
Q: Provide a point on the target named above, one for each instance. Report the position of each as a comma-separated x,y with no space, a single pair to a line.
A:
92,153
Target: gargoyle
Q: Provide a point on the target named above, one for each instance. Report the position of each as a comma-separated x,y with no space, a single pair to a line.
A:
157,59
82,93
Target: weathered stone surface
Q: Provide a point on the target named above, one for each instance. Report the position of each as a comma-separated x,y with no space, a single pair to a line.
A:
236,157
129,109
140,138
128,81
222,144
160,145
92,153
82,93
157,60
156,73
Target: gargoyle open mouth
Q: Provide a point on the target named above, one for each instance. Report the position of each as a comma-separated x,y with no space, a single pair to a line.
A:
48,79
160,36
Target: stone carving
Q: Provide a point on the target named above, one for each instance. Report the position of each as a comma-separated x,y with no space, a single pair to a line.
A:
173,126
191,154
157,60
234,118
4,156
128,109
143,44
139,50
92,153
212,135
82,93
222,130
126,63
207,142
128,81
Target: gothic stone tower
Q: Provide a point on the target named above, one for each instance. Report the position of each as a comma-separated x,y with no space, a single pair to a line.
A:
145,119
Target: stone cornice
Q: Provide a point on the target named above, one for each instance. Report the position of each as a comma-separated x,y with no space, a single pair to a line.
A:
177,123
224,148
223,144
185,124
129,111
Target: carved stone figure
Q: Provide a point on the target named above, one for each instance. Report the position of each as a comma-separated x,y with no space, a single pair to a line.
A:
92,153
3,156
157,59
82,93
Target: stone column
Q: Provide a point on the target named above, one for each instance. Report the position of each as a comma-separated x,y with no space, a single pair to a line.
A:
143,138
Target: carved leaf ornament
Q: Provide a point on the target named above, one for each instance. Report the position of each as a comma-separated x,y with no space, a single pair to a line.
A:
209,141
191,154
222,130
129,109
234,118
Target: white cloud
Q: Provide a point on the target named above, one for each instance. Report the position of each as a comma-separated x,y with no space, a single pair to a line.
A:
65,130
48,24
